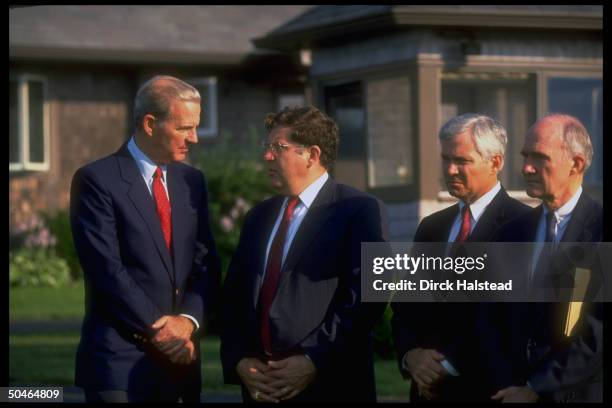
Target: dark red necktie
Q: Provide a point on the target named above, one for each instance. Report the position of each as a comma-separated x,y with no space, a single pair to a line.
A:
464,232
163,206
273,271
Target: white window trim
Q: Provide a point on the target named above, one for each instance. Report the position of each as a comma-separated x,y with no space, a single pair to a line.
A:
23,107
208,129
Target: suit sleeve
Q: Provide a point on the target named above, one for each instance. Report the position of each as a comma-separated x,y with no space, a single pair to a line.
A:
202,291
347,315
574,363
235,344
94,228
408,321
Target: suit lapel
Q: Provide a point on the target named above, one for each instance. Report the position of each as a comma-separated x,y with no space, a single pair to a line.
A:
260,242
316,217
491,219
180,210
579,228
446,223
144,204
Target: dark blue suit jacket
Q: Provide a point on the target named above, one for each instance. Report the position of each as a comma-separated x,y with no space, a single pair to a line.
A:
317,308
450,327
525,341
131,279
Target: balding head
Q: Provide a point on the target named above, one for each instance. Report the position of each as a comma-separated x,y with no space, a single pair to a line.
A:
557,152
574,137
155,95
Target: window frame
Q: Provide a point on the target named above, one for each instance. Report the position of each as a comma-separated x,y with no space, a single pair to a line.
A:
590,69
390,194
210,129
24,163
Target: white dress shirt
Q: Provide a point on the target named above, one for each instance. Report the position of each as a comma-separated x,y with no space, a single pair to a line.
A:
562,216
306,199
477,208
147,168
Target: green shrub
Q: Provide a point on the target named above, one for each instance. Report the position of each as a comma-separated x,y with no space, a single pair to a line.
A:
59,225
383,344
236,181
37,267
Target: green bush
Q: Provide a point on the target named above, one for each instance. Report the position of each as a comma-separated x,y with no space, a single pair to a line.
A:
383,344
37,267
59,225
236,181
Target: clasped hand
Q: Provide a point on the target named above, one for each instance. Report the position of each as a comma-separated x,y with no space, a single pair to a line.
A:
273,381
173,338
426,370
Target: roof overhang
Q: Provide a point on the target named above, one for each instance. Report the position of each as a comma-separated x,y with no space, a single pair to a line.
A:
436,16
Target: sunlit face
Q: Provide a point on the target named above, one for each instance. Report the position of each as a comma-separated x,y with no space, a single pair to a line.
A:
287,167
547,166
467,174
170,138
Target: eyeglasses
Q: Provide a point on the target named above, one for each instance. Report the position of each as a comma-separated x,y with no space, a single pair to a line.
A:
277,147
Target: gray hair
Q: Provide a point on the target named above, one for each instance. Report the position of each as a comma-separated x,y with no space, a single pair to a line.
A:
576,139
488,135
154,97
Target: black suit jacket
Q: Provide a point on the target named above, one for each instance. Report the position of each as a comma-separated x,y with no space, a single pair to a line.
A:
449,327
131,279
317,308
527,338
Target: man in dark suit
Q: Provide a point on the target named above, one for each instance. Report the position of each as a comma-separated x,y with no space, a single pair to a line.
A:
436,342
294,325
141,229
531,339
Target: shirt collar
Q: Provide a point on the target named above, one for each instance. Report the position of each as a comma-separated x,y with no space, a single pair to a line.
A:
146,166
478,206
567,208
310,193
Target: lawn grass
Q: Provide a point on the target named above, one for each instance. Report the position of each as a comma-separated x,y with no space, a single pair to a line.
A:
66,303
48,359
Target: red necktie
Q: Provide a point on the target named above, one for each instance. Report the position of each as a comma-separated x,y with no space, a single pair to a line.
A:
464,232
273,270
162,206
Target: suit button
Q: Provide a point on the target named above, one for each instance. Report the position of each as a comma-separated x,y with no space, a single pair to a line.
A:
176,291
135,336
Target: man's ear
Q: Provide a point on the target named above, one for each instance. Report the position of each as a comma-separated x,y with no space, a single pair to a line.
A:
148,124
578,165
314,155
497,162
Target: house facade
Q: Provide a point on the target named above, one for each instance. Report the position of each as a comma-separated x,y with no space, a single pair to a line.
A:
392,75
74,72
389,75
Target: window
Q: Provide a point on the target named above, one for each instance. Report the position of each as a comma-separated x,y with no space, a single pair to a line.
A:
507,97
208,116
344,103
290,100
28,124
582,98
389,132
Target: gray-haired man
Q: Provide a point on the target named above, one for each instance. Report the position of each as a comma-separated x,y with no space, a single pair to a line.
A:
435,342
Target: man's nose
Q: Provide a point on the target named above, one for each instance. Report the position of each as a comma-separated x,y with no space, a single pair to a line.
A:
451,169
528,168
268,155
192,136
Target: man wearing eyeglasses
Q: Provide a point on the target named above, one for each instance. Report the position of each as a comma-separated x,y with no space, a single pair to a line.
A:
294,326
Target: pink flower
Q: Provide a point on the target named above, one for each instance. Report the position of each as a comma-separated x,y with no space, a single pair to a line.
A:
227,224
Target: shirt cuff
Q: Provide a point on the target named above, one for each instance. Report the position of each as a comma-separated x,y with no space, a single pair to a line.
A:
449,367
197,325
